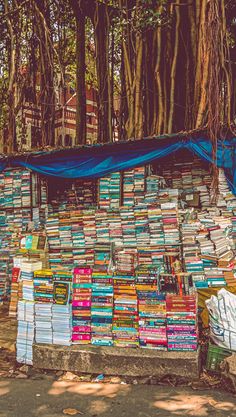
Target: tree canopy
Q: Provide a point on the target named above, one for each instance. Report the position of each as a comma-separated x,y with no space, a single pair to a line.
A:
172,63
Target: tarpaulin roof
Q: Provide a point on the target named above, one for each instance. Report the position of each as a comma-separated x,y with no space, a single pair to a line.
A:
98,160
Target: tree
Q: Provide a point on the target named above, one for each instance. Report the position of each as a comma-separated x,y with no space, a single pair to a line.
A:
160,56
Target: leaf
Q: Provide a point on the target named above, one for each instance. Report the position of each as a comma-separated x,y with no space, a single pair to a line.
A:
71,411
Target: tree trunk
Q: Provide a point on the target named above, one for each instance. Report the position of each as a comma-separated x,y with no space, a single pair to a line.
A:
47,92
80,80
9,134
138,116
101,29
173,68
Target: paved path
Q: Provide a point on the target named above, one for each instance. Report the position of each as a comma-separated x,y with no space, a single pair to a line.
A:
48,398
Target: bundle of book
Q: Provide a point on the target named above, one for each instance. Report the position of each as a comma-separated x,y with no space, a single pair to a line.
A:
102,297
134,186
182,330
125,316
151,310
110,191
81,305
26,312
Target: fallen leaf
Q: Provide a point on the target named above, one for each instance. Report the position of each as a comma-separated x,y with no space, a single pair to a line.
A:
71,411
213,403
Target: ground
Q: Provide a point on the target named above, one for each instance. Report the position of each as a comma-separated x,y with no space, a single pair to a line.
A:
25,398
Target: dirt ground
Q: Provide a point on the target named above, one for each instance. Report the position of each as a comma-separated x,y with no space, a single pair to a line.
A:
45,398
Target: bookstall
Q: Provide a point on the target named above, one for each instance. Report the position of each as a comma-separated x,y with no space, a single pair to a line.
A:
117,260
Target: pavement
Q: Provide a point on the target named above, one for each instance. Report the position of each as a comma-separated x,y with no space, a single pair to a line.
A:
49,398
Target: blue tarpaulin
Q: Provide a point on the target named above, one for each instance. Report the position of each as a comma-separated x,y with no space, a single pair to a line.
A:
98,160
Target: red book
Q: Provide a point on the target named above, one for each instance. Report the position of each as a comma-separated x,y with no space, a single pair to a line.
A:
15,274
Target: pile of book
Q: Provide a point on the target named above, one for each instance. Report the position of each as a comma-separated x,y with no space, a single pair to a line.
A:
142,234
110,191
170,223
81,305
43,322
27,278
43,286
125,260
191,178
102,298
114,227
62,286
14,292
61,324
128,226
25,332
125,313
155,222
152,189
152,256
182,330
15,188
4,275
133,186
151,310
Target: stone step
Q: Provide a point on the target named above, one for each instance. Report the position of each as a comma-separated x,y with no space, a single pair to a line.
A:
117,361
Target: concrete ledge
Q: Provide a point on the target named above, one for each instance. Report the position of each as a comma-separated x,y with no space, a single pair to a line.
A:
117,361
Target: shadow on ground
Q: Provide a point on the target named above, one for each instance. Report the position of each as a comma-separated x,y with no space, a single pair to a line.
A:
26,398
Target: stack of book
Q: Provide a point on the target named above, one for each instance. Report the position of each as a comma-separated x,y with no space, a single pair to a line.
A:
152,188
114,228
102,226
225,192
61,324
62,286
222,242
234,229
215,277
89,225
4,274
25,332
81,305
141,225
14,292
192,261
125,314
16,188
151,310
102,298
155,221
52,231
43,322
43,286
133,186
128,226
109,191
125,261
170,223
182,333
27,278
